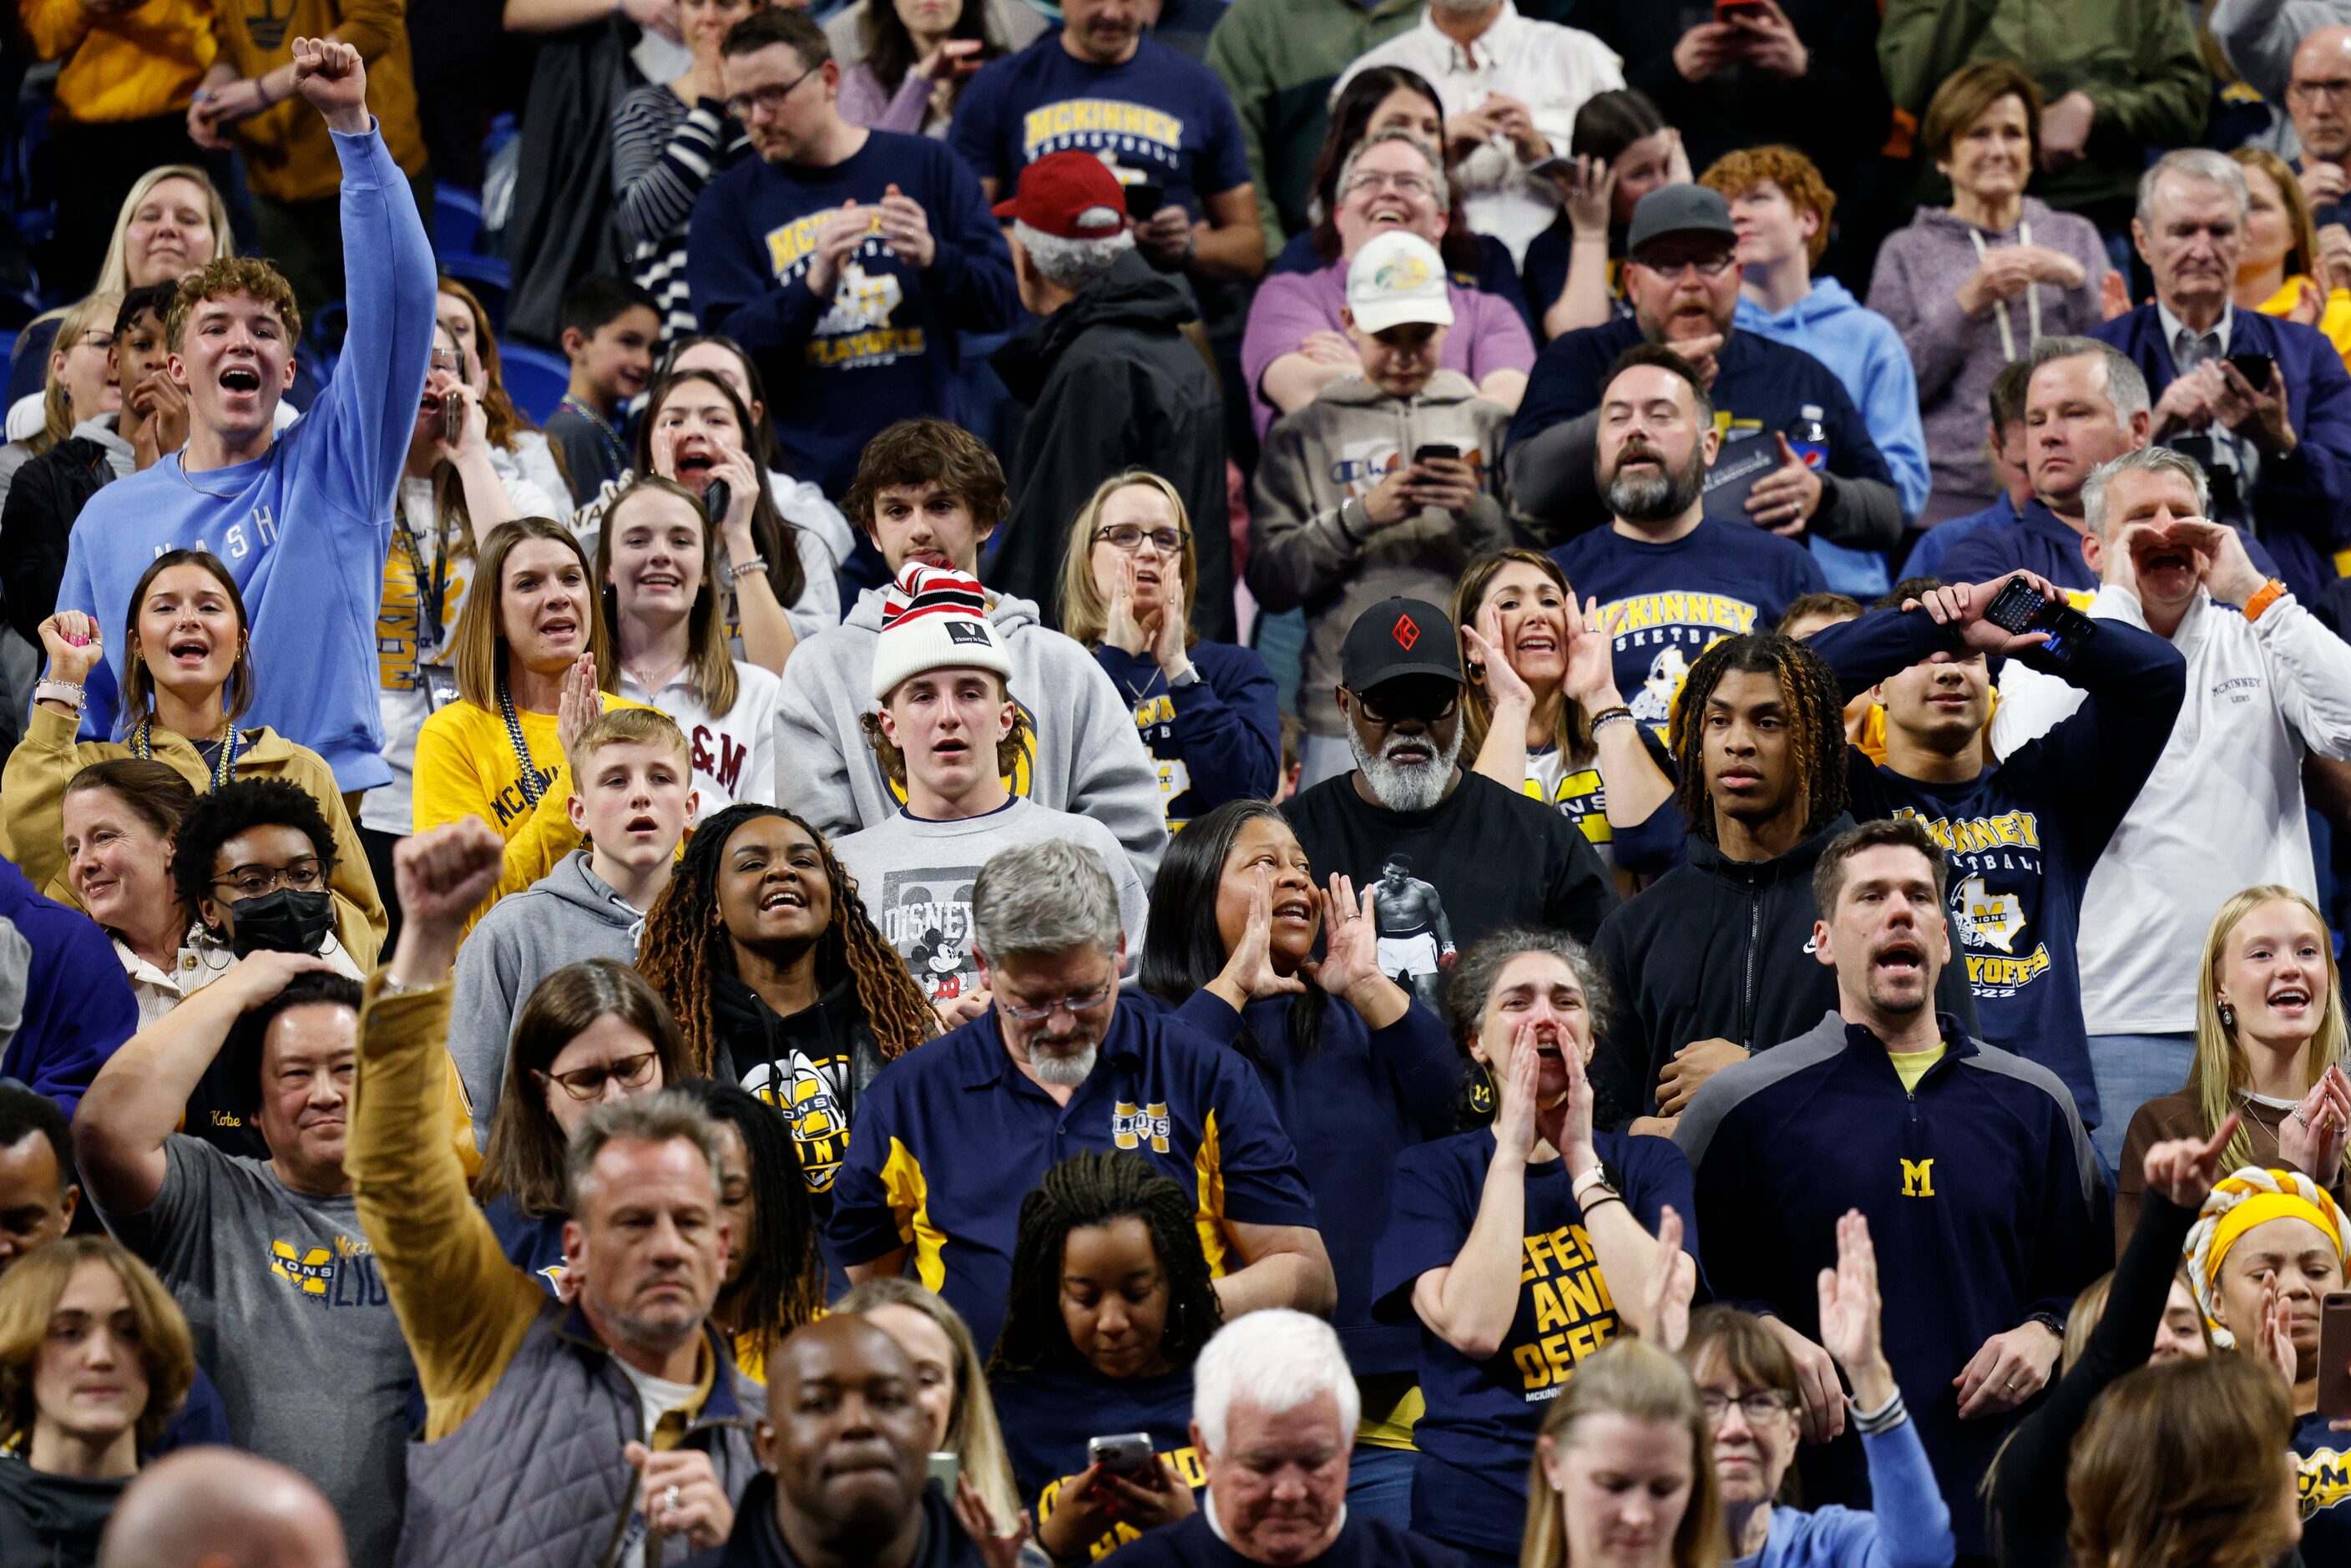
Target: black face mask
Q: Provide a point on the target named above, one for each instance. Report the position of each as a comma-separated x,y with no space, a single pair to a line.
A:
283,922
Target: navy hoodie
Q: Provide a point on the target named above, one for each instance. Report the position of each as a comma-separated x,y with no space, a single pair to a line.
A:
1216,740
1983,1199
61,983
2022,834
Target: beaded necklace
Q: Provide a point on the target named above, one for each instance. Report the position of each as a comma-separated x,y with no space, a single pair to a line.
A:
224,771
530,780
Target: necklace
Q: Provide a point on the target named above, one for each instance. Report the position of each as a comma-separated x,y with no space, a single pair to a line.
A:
605,434
224,771
529,779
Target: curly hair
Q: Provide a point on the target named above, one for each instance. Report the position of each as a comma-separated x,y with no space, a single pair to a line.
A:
227,275
782,1284
1096,1188
926,452
238,807
1734,175
686,943
1815,710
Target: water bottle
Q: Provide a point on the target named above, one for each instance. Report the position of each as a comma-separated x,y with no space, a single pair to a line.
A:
1810,438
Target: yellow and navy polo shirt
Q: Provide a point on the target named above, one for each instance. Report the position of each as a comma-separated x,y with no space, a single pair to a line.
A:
949,1139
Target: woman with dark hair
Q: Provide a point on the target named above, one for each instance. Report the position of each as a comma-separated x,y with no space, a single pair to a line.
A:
95,1358
1622,150
918,56
775,1278
2179,1467
121,820
591,1032
1357,1068
519,449
777,978
187,676
1486,1244
1110,1304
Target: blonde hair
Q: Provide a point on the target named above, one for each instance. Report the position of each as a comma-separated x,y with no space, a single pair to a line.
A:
229,274
114,271
57,402
477,653
1084,615
29,1293
972,1432
2302,255
2221,1074
1636,1379
710,660
628,726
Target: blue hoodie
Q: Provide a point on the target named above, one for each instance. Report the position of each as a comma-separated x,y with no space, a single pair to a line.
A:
65,1003
305,527
1864,352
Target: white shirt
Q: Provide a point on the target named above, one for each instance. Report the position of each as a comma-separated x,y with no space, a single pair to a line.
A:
735,752
2222,811
1551,68
203,960
821,538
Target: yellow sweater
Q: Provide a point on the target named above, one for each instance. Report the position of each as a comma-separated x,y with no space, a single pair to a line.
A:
467,766
134,65
32,829
289,155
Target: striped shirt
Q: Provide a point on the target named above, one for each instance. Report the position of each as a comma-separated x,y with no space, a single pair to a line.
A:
663,155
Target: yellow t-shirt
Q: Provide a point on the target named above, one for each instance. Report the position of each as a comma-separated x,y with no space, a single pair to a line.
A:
1912,1065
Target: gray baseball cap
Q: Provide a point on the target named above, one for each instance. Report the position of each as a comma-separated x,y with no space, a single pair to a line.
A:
1679,209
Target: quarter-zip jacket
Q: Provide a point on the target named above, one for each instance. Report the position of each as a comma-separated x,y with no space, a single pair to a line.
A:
1717,948
1982,1192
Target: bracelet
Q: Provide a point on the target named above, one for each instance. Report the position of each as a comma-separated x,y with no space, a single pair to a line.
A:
1608,715
2270,592
1602,1199
742,569
1884,1419
61,691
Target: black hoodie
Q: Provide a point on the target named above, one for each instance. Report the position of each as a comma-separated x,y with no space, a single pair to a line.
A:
1717,948
1112,383
758,1543
52,1522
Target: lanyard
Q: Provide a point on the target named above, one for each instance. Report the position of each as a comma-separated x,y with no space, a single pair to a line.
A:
604,431
429,601
224,771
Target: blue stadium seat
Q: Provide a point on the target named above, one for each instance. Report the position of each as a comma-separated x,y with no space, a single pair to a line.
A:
488,278
536,380
456,220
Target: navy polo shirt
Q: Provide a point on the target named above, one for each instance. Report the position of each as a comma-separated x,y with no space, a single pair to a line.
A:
949,1139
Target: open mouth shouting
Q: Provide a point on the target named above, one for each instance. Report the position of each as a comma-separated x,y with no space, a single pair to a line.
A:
1900,958
2289,999
189,652
560,628
695,466
783,895
1295,909
241,380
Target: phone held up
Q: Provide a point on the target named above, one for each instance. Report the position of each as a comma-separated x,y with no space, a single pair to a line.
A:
2018,608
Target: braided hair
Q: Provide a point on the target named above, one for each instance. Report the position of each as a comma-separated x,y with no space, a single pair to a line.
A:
781,1285
687,944
1089,1189
1815,710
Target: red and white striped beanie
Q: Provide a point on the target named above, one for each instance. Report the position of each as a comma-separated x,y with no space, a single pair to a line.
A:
935,617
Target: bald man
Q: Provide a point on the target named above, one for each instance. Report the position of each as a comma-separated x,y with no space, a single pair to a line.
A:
845,1446
2260,36
220,1508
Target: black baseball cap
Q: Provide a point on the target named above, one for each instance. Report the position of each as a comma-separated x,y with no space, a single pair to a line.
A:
1679,209
1396,637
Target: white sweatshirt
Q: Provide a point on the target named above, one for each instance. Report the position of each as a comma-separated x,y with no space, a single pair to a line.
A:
734,752
2223,809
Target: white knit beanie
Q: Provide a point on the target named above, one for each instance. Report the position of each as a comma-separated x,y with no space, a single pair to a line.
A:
934,618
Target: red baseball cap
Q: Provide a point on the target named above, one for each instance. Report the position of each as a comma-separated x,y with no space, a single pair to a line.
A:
1071,195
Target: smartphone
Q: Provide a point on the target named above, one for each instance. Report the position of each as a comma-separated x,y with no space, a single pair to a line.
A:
1143,199
2255,367
2335,1354
452,420
1730,10
1437,451
1128,1455
943,1468
2019,607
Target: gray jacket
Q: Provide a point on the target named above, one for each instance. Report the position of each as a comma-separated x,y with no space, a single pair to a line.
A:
1311,542
535,1479
565,915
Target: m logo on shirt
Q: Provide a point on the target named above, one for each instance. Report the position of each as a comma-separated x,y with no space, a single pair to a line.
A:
1131,1128
311,1271
1918,1178
2322,1479
1575,1315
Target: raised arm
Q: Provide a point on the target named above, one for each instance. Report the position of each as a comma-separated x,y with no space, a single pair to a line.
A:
33,784
1910,1524
1472,1303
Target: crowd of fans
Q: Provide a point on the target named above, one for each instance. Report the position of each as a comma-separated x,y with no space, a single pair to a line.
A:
1375,782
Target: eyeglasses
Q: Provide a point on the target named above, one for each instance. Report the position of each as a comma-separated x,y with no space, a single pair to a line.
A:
587,1082
1038,1013
1760,1406
260,881
1402,184
1129,536
1705,265
2315,90
1402,706
770,98
448,362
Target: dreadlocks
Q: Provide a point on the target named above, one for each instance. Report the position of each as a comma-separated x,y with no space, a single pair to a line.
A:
1095,1188
686,944
781,1285
1815,709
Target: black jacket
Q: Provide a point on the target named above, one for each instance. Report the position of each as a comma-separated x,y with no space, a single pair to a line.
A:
756,1542
52,1522
47,496
1717,948
1112,382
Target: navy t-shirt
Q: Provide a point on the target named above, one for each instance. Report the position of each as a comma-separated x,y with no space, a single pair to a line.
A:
1048,1417
882,347
1164,120
1666,603
2324,1480
1479,1434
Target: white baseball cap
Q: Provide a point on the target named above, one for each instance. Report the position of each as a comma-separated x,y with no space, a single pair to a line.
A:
1397,277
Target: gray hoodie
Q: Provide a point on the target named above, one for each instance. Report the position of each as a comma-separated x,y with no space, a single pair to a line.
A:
1311,542
568,915
1087,758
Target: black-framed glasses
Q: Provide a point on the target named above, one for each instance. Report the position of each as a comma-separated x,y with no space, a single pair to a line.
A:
1760,1405
587,1082
1403,705
302,875
1129,536
1705,265
770,98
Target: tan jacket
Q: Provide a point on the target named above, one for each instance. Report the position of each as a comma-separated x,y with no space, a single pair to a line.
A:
289,155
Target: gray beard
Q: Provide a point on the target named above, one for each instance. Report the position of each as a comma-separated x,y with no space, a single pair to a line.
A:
1416,787
1638,499
1060,1070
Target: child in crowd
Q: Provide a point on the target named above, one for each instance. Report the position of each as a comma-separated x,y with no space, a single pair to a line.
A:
610,326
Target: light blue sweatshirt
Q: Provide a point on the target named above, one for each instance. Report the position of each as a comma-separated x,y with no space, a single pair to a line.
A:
305,527
1908,1525
1862,350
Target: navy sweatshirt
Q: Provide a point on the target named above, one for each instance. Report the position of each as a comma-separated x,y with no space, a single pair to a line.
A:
1983,1200
1216,740
1364,1542
72,1006
2023,834
1350,1106
882,347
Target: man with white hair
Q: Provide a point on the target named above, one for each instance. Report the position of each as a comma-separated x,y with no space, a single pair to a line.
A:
2267,684
949,1139
2263,405
1112,382
1273,1413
